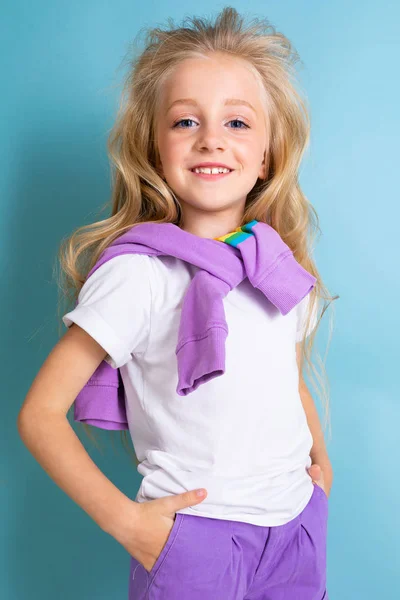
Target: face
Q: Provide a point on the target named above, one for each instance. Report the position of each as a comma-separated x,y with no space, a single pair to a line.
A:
207,129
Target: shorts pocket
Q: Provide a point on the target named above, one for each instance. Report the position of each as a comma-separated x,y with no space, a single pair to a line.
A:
173,534
321,492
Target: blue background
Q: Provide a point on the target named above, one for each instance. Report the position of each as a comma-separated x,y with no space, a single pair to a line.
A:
61,83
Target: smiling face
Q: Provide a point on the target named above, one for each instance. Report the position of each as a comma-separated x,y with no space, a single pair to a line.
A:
205,128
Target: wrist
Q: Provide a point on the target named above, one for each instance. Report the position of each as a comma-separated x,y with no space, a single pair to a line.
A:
122,519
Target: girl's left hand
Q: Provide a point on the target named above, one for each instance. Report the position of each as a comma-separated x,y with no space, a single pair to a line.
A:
317,475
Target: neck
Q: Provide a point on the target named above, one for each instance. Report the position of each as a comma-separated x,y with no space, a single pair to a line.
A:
206,225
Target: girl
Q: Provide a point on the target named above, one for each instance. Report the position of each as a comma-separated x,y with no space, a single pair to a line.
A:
207,146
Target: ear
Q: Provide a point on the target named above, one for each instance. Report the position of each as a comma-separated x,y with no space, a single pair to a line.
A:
262,173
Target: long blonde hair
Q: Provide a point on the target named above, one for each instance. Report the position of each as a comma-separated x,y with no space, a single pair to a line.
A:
139,194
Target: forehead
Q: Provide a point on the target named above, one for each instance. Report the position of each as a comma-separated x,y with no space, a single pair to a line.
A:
208,79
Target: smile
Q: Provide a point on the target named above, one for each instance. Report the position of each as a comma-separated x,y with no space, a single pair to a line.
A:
211,176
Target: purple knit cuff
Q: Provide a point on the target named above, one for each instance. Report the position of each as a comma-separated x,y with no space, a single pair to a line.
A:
200,360
287,284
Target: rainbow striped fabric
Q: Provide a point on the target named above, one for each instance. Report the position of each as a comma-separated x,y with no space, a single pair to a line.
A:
238,235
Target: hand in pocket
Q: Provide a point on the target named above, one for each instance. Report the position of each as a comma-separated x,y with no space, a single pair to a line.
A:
317,476
146,534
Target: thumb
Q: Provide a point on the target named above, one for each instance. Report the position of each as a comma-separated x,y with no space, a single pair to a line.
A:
315,472
173,503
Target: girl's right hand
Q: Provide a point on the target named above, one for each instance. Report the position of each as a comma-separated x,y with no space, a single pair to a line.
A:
146,534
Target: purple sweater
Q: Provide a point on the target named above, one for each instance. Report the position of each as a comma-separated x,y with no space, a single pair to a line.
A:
254,250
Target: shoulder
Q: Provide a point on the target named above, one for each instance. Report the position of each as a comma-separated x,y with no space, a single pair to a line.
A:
124,267
118,277
129,262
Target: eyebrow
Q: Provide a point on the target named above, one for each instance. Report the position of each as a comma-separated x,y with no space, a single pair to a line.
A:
228,102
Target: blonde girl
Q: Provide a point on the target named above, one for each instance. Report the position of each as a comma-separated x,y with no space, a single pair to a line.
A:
233,504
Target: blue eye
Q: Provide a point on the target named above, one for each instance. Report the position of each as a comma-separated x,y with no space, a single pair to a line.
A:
239,121
182,121
187,120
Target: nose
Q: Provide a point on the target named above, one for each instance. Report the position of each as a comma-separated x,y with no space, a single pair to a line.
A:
210,138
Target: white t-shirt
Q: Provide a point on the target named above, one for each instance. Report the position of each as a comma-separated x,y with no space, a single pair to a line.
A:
243,435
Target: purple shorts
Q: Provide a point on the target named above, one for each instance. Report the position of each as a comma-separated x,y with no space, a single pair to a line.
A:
216,559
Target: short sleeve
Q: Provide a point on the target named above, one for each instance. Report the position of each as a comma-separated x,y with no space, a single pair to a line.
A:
302,315
114,307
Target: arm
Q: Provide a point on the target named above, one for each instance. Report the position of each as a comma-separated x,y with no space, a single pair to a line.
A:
46,432
319,454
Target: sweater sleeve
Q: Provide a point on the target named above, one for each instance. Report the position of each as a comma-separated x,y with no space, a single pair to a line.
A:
114,307
302,315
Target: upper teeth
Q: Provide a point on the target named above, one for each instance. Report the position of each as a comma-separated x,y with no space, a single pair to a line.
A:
213,171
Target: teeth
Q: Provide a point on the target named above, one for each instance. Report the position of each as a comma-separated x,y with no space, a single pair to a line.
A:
213,171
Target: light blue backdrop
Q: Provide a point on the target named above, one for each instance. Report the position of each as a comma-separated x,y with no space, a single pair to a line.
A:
60,65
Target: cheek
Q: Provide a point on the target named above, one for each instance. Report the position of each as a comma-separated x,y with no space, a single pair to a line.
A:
254,154
174,151
166,145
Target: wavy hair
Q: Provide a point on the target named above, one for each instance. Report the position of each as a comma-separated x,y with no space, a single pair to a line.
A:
140,194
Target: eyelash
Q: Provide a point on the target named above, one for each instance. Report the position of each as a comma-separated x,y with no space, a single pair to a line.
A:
175,125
